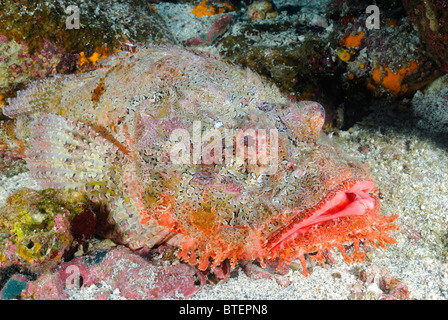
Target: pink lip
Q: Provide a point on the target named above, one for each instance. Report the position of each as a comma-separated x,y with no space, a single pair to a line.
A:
351,200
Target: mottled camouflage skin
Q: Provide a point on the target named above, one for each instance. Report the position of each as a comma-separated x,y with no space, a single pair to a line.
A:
107,134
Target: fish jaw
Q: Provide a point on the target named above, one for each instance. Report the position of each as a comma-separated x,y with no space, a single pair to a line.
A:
347,215
350,199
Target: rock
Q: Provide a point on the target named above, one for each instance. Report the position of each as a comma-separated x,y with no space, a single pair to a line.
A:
46,287
295,56
210,8
19,65
254,271
377,283
218,28
132,275
261,10
326,53
13,288
11,150
430,107
101,23
219,273
430,18
35,227
374,291
388,62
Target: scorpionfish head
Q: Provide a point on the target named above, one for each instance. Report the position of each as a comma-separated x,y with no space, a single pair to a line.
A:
266,186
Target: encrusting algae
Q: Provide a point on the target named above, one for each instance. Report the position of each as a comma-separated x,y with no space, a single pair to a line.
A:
35,227
393,80
205,10
353,41
98,25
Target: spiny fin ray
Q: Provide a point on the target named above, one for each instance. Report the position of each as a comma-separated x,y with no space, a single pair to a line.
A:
70,153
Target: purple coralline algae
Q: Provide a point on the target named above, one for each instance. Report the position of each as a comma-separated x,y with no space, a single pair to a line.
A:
36,227
133,274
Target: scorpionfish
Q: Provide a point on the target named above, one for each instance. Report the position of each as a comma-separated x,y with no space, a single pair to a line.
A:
180,147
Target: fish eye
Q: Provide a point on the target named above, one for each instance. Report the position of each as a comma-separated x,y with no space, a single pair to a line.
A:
315,107
321,108
265,106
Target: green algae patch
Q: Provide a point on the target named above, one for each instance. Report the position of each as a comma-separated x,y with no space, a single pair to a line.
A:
35,226
101,23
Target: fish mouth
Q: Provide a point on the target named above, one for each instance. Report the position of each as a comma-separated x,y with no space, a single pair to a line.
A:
351,198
